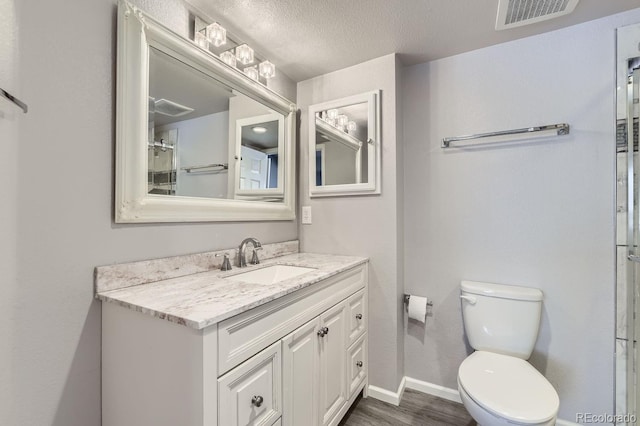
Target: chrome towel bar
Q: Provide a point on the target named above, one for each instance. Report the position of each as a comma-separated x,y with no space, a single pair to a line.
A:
559,129
15,100
224,166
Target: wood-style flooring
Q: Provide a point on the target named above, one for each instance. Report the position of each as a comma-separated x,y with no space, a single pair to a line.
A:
416,409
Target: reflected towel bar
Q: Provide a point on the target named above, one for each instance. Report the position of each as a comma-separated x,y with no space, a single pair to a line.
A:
559,129
224,166
15,100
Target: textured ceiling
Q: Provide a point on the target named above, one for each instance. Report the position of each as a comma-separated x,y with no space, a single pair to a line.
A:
306,38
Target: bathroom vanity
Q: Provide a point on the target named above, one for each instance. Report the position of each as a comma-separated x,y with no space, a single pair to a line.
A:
279,343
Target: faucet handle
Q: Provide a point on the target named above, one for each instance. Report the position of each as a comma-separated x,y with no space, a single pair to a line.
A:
226,264
254,258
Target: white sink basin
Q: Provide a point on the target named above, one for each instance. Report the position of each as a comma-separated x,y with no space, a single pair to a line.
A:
270,274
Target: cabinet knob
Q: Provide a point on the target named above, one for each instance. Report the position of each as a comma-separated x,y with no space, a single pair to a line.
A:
323,331
359,316
257,400
359,363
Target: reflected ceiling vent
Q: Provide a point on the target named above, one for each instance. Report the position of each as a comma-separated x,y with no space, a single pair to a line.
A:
170,108
515,13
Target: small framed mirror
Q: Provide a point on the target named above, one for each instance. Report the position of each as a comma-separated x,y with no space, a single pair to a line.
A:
196,139
344,146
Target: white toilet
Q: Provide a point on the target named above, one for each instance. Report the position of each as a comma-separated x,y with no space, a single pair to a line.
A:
496,383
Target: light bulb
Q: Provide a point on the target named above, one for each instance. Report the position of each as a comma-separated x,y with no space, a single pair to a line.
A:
216,34
252,72
351,126
228,58
244,54
267,69
342,120
332,113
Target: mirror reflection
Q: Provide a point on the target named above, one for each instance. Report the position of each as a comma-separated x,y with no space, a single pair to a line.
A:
341,153
206,140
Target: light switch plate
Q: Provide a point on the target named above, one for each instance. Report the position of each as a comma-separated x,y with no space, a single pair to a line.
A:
306,215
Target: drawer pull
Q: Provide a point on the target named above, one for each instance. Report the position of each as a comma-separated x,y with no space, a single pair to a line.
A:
257,401
359,316
359,363
323,331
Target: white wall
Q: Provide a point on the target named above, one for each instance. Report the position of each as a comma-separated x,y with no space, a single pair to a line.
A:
363,225
537,214
63,187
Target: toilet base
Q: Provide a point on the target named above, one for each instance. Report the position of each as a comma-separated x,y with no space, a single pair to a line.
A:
485,418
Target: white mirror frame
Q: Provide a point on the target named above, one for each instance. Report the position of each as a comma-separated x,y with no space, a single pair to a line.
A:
372,186
137,32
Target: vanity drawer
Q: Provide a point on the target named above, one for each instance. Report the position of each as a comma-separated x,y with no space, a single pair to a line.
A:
357,364
244,335
357,315
251,394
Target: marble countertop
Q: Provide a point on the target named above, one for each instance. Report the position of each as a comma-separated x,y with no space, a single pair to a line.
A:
203,299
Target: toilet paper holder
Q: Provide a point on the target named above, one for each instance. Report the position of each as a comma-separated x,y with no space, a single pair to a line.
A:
408,296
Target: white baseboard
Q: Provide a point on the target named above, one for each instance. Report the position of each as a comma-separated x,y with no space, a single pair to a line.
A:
561,422
435,390
430,389
386,395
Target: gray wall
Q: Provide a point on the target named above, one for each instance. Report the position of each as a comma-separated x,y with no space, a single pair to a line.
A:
57,208
363,225
8,174
537,213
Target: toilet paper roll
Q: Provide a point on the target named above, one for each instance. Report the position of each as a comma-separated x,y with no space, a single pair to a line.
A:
418,308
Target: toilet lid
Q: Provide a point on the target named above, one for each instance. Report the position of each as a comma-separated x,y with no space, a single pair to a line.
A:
509,387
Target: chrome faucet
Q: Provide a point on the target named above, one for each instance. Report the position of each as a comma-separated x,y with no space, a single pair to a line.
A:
242,259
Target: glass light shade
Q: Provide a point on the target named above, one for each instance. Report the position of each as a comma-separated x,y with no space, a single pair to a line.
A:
244,54
332,113
228,58
267,69
252,72
201,40
331,121
342,120
216,34
351,126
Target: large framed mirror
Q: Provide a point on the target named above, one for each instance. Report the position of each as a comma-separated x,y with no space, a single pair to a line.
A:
344,146
196,139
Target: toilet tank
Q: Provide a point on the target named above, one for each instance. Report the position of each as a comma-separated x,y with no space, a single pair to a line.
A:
501,318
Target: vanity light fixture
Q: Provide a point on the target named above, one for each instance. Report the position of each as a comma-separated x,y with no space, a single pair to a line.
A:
228,58
244,54
216,34
202,40
332,114
259,129
252,72
267,69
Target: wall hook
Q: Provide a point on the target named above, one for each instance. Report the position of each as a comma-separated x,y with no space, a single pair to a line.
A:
15,100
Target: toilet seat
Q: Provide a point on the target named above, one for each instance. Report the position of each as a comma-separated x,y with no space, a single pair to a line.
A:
508,387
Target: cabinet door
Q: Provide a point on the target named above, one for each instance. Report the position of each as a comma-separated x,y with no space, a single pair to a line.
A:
333,375
250,394
300,374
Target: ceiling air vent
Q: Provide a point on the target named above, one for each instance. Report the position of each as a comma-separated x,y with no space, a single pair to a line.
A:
515,13
170,108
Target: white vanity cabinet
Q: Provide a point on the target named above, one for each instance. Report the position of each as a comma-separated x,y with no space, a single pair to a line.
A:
298,360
